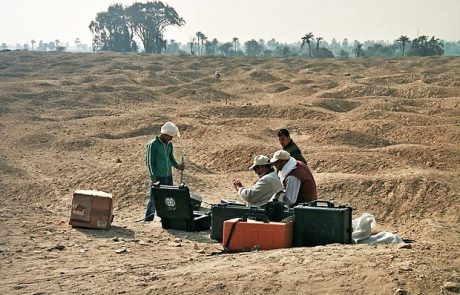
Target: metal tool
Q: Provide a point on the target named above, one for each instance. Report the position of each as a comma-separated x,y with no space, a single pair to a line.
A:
182,172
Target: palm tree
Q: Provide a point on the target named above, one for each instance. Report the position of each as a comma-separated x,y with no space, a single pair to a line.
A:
318,39
403,40
192,42
306,40
436,46
358,49
214,43
198,36
235,42
33,42
203,41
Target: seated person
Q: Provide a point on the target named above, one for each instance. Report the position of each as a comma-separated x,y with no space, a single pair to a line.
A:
265,187
296,177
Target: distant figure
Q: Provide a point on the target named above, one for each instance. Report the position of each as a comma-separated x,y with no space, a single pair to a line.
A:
288,145
266,186
296,177
217,74
160,160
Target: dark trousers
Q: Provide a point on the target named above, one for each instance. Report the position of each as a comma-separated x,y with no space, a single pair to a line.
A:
149,214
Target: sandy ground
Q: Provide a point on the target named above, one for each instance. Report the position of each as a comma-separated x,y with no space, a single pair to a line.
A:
381,135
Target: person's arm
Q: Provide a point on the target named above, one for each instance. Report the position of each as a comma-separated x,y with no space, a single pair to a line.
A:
292,190
301,158
149,158
297,154
172,159
254,194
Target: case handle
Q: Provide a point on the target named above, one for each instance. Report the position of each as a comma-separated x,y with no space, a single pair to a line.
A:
316,202
259,217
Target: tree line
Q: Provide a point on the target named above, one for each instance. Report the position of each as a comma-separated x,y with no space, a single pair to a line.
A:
118,28
141,27
318,48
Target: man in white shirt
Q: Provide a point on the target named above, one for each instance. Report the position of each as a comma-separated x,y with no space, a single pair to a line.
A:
265,187
296,177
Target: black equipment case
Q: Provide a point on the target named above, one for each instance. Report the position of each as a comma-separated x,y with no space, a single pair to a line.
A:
175,208
320,225
225,211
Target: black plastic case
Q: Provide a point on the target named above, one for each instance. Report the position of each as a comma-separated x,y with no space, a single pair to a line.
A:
175,208
316,225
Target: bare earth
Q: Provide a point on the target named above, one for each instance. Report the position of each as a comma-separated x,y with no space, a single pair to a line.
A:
382,135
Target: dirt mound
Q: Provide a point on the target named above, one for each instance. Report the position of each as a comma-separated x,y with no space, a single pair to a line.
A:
360,91
445,158
276,88
395,198
359,139
238,158
429,92
366,163
263,77
266,111
337,105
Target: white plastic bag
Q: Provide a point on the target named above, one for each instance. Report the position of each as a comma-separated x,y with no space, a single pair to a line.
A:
363,226
381,238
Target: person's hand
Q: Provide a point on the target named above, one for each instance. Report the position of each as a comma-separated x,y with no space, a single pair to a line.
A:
181,167
237,184
279,196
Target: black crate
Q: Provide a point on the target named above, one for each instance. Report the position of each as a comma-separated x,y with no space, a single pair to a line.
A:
175,208
223,212
316,225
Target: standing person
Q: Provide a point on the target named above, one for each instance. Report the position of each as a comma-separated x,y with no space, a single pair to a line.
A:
266,186
296,177
160,160
289,145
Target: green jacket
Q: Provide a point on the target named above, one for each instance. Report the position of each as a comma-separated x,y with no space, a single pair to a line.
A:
159,158
294,151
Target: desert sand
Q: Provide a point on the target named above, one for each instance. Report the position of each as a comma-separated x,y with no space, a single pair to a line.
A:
381,135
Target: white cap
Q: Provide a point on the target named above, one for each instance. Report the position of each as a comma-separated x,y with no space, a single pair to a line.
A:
170,129
260,161
280,155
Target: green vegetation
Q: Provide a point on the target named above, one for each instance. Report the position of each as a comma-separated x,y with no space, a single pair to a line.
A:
116,28
141,26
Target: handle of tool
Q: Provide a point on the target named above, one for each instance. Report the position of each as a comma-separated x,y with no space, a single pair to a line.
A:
182,172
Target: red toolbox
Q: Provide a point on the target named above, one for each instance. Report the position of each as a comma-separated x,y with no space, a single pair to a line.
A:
245,234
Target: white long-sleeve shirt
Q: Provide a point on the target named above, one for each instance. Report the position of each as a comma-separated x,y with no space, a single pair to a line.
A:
292,190
292,183
261,192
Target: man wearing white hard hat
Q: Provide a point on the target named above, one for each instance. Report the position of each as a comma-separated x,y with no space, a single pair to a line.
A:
160,159
265,187
296,177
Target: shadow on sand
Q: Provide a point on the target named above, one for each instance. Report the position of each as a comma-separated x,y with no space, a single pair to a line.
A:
114,231
197,236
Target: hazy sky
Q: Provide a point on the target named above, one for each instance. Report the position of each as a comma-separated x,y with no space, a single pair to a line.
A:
284,20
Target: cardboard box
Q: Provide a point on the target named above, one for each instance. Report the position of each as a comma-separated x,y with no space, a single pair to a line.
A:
263,235
91,209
